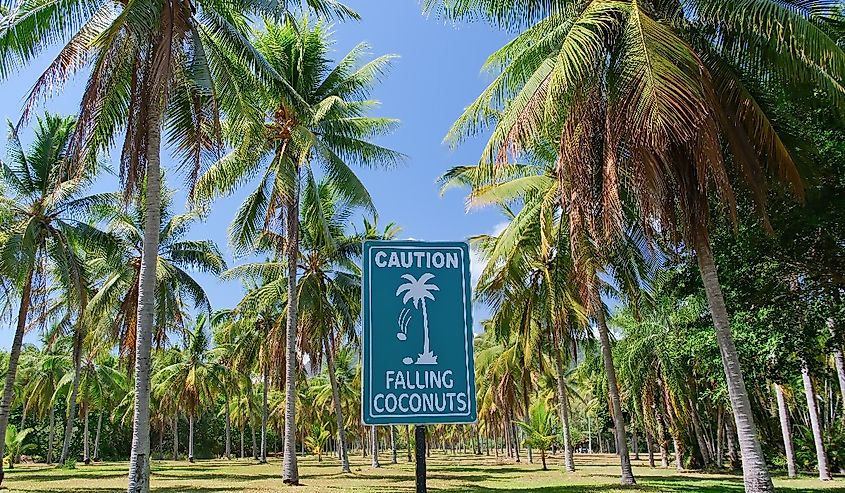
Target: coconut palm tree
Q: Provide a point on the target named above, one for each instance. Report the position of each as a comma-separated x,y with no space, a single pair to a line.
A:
316,115
540,432
46,227
651,90
164,63
179,257
194,377
52,364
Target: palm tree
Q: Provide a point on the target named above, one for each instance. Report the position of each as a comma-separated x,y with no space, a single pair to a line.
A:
194,377
171,64
52,363
417,290
14,444
120,270
46,206
316,114
651,90
539,429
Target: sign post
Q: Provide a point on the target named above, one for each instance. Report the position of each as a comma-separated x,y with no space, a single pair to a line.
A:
417,337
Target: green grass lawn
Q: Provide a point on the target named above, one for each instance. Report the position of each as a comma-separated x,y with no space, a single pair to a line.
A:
446,474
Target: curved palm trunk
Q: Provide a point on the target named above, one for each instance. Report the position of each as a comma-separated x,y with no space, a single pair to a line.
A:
754,471
52,435
97,437
228,453
815,425
11,372
613,388
77,375
190,438
563,398
786,431
264,410
139,461
290,472
374,447
338,411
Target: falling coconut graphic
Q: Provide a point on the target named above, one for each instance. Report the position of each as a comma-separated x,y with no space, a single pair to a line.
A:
401,336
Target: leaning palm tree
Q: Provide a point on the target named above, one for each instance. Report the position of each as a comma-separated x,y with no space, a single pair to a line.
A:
417,291
47,209
643,98
316,115
151,64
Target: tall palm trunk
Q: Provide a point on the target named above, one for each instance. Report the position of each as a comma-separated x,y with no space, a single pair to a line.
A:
613,388
264,411
11,372
139,461
815,425
408,440
786,431
78,339
190,437
290,472
634,441
754,471
374,447
839,360
730,441
51,436
97,436
243,432
86,451
563,399
393,443
338,411
176,436
228,427
650,448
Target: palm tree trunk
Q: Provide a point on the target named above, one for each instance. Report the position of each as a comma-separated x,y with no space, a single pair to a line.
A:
190,437
650,447
176,436
338,412
634,442
86,450
786,431
139,462
228,432
51,436
720,438
839,360
243,432
755,473
408,440
12,370
627,476
563,399
264,411
254,441
374,447
812,407
77,375
97,436
290,472
514,437
730,440
393,443
703,447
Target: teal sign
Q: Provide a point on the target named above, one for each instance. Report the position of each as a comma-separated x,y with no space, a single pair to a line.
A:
417,334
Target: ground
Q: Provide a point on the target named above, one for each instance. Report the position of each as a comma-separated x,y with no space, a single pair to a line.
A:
446,474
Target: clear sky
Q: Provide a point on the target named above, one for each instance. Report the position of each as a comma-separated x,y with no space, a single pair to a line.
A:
436,76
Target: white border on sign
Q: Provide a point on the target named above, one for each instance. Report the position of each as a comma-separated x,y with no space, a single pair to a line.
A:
369,329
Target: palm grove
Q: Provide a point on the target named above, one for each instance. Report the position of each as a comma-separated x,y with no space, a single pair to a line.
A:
634,146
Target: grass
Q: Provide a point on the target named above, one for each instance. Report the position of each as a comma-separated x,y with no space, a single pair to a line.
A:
446,474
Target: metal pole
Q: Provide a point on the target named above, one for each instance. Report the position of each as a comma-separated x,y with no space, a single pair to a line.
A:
419,450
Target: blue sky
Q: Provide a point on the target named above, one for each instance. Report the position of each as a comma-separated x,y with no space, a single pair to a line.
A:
436,76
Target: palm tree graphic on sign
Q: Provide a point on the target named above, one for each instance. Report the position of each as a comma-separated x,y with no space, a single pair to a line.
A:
418,291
